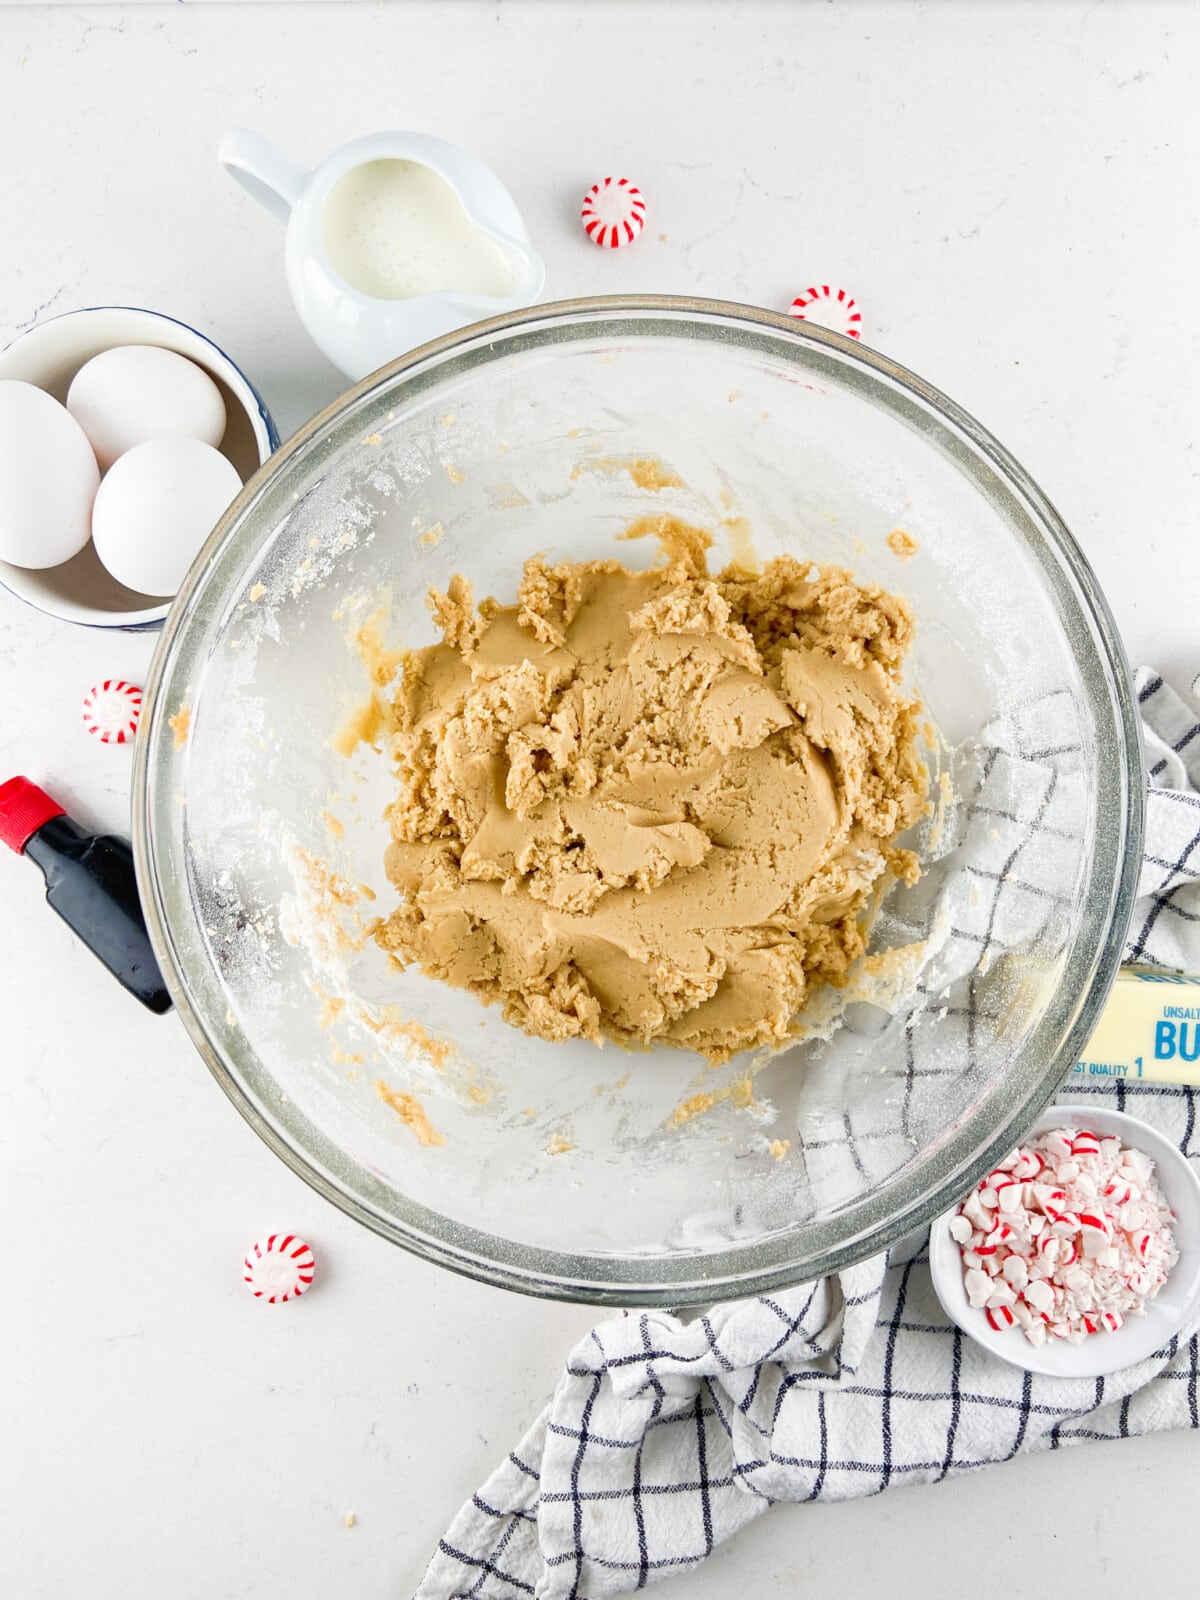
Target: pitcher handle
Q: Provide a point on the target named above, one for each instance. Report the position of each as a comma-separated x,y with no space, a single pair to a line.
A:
265,173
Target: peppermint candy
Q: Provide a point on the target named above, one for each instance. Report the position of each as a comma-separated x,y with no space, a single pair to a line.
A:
278,1268
613,213
111,710
1066,1238
828,308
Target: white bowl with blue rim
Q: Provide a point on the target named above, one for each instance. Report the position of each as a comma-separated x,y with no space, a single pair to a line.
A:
1172,1309
49,355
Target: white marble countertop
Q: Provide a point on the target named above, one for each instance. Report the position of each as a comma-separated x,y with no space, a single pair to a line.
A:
1009,191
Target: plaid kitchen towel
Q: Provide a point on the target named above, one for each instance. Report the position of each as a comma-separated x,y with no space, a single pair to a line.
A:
665,1436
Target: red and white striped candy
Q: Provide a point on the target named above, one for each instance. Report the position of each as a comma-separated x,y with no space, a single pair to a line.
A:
1028,1165
1047,1197
1056,1145
1064,1239
1016,1271
1073,1250
111,710
1095,1222
828,308
278,1268
613,213
978,1286
1039,1295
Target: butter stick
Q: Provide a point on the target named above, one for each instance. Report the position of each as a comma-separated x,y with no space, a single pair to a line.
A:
1149,1029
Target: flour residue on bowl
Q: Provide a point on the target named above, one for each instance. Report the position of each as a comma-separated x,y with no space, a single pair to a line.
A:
329,918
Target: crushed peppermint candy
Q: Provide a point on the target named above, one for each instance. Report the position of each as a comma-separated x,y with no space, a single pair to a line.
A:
1069,1236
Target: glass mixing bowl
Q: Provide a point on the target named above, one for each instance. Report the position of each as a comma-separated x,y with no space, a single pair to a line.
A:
562,1169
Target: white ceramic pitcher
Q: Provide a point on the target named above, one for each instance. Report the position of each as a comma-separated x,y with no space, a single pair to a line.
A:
359,332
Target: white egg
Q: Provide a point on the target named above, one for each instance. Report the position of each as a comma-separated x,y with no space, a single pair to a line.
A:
155,508
48,478
136,392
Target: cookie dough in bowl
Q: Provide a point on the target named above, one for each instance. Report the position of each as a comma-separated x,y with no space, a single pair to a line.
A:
653,805
637,799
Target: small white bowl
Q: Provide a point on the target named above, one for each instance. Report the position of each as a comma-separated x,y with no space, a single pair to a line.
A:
1138,1337
49,355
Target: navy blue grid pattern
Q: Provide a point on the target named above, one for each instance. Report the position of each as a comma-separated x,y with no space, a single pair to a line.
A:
665,1436
1001,889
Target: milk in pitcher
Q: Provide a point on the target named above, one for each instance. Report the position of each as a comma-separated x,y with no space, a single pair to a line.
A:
396,229
396,239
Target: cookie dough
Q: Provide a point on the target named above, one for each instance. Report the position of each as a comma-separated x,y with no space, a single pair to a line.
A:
902,544
653,805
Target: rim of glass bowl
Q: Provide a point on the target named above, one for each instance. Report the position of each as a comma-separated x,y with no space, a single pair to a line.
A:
816,1248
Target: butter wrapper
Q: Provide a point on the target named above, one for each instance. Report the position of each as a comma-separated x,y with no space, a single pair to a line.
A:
1149,1029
